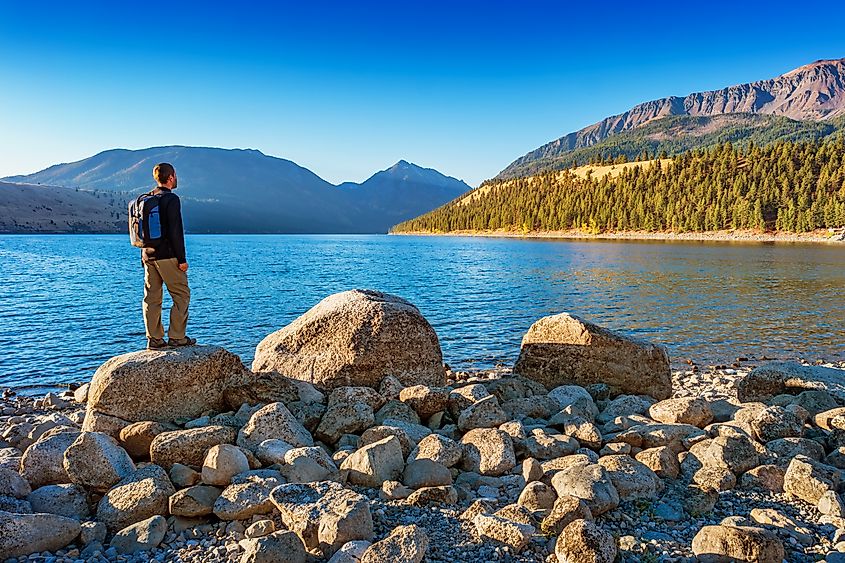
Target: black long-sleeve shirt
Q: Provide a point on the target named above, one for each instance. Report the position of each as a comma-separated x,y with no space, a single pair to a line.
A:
173,242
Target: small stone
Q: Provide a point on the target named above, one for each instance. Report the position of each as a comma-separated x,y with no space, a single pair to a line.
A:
714,478
183,476
683,410
437,448
589,482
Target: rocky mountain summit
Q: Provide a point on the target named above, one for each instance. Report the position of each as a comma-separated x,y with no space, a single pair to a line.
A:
813,92
380,453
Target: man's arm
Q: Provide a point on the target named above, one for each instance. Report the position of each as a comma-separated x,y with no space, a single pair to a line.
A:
175,233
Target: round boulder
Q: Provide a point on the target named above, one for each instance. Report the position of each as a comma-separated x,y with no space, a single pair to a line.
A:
355,338
564,349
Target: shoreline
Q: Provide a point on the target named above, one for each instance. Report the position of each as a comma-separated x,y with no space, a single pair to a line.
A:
814,237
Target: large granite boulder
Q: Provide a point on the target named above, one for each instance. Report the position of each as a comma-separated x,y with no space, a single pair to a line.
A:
355,338
160,386
564,349
778,378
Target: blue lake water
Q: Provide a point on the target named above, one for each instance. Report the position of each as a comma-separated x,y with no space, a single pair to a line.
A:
68,303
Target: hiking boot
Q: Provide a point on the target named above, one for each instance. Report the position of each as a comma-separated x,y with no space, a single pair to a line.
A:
157,344
187,341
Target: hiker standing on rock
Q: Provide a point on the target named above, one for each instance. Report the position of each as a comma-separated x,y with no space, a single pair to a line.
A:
155,225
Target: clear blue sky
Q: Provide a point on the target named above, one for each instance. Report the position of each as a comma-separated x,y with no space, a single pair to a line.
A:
348,88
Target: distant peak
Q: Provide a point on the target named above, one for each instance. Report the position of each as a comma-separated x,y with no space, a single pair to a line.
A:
403,164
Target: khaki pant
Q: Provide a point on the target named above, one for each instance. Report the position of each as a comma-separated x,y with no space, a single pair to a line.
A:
166,271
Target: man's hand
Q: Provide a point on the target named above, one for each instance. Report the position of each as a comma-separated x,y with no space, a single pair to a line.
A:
183,267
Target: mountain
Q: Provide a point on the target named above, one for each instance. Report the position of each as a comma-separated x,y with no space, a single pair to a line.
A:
811,93
29,208
234,190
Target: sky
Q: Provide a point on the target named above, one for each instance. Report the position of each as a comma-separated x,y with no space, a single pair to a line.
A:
349,88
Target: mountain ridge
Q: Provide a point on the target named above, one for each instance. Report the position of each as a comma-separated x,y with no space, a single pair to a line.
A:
812,92
245,190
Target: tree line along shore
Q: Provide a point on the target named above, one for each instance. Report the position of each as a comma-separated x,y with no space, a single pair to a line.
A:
783,189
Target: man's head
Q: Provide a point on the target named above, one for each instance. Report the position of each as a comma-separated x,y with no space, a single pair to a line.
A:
165,175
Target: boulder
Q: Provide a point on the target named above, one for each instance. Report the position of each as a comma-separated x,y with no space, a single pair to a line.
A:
350,552
95,461
537,496
189,447
564,349
441,494
778,378
485,413
24,534
582,541
12,484
43,463
262,389
504,531
137,437
161,386
136,497
17,506
194,501
565,510
487,451
183,476
591,483
682,410
140,536
273,421
773,423
274,547
404,544
763,477
426,473
248,495
344,418
307,465
809,480
736,453
630,478
425,400
64,500
714,478
222,462
355,338
375,463
324,515
577,397
437,448
543,445
723,544
662,460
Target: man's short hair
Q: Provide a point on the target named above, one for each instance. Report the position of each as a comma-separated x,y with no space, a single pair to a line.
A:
163,171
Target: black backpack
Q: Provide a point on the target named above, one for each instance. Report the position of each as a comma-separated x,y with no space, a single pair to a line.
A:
145,229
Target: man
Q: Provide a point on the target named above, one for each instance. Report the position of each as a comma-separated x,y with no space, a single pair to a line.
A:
166,263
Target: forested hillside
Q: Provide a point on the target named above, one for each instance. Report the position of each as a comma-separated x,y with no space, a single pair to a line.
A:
785,186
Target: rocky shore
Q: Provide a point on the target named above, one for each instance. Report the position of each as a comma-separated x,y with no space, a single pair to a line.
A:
820,236
349,441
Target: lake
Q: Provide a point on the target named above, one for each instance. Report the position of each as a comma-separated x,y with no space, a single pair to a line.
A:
68,303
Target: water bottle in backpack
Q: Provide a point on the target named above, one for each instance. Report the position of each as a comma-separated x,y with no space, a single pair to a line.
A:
145,221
